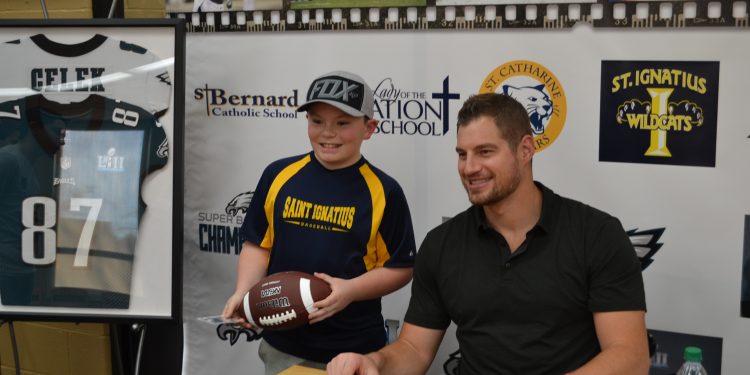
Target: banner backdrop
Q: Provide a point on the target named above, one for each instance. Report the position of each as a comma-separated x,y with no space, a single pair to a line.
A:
648,125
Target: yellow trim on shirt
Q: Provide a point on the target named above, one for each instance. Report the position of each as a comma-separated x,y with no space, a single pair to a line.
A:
273,192
377,252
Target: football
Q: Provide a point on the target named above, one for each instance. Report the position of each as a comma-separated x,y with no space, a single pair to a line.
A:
283,300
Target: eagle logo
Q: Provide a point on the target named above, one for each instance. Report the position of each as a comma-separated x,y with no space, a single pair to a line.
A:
646,244
163,150
239,203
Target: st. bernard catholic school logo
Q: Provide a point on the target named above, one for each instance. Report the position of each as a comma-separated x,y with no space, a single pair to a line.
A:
538,90
659,112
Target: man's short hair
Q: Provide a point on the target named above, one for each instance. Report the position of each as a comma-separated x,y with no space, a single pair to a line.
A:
508,114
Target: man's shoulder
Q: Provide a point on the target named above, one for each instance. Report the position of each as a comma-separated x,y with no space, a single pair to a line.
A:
459,222
573,208
446,241
583,210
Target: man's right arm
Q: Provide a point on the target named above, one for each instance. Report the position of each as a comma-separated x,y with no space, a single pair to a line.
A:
251,267
412,353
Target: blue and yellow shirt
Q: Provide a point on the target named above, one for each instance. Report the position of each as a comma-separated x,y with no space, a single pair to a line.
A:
341,222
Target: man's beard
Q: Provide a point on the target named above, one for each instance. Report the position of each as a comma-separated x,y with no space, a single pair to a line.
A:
497,193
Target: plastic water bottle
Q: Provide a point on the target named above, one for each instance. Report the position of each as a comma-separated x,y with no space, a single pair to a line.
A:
692,366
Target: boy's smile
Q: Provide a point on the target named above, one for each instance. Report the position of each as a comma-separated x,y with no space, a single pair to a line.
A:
335,136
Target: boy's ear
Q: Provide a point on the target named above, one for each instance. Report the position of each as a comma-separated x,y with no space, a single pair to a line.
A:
371,125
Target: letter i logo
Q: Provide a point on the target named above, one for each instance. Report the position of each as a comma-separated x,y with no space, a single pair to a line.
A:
659,108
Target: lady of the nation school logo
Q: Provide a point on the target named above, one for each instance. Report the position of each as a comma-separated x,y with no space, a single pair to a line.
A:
538,90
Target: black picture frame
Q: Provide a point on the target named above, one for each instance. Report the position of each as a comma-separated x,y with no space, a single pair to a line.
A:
155,291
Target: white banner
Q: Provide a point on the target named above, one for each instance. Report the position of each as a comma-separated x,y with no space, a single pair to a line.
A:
242,91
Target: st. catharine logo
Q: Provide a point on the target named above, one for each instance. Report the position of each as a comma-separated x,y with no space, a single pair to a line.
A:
659,112
538,90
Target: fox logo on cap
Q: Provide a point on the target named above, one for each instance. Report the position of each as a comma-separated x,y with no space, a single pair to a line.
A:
334,89
343,90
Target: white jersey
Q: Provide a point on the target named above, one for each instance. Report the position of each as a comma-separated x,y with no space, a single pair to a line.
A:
70,72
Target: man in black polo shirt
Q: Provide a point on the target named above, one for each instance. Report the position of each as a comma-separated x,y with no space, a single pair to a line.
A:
536,283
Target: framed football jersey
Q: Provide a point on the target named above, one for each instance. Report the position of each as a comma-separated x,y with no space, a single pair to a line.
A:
91,132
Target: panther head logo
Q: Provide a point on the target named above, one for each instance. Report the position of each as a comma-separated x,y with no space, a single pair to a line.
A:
239,203
537,103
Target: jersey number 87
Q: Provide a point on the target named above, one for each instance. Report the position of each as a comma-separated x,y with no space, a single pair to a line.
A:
49,237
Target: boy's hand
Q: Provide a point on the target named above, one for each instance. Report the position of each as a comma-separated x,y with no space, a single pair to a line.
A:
231,310
341,296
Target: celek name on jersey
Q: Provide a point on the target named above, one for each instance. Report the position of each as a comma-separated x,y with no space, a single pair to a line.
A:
63,79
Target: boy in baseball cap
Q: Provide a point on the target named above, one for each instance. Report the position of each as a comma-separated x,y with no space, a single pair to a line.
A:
343,90
339,118
333,214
